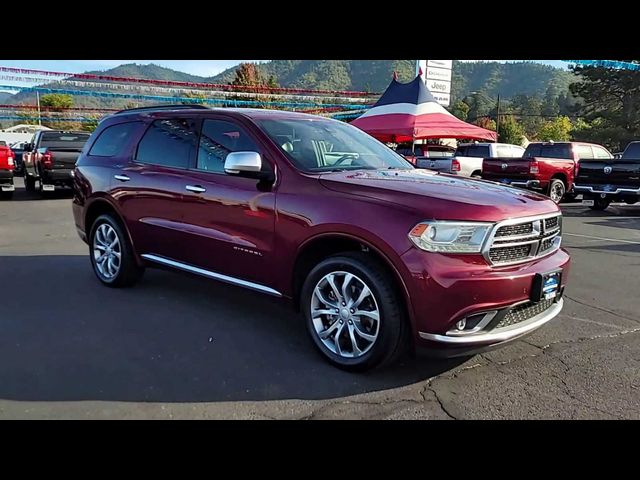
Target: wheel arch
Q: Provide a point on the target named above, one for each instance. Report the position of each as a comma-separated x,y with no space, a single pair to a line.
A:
320,246
100,206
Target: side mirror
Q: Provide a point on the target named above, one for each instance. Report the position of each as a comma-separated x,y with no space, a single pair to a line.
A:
238,163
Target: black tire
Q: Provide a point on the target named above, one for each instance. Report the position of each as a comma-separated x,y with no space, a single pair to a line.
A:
129,272
557,190
29,183
476,174
393,333
600,204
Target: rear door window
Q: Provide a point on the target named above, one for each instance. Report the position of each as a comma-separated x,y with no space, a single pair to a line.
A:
503,151
169,143
584,152
600,153
113,139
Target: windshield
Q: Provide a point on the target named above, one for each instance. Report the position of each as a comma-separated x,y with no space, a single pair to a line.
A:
323,145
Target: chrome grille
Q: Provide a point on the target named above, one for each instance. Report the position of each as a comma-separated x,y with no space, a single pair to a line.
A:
524,312
509,254
514,230
519,240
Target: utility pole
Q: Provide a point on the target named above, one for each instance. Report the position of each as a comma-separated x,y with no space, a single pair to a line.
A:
38,101
498,119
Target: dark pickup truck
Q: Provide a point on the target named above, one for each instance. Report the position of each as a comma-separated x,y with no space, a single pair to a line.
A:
614,180
50,158
548,167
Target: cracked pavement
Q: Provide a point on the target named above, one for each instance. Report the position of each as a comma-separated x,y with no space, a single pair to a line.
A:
180,347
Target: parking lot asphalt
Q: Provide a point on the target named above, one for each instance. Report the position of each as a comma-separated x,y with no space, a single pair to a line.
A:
177,346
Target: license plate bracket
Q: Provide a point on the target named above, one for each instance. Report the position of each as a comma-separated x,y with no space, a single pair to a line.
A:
588,203
546,286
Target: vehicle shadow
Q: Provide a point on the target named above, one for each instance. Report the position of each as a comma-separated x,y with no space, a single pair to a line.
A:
171,338
21,194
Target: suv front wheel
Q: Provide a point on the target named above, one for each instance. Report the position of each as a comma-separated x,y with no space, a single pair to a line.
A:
112,254
353,312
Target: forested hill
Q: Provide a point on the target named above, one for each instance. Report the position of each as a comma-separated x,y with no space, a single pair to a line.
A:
508,79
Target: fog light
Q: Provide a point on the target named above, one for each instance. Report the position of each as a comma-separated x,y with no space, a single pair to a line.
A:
461,324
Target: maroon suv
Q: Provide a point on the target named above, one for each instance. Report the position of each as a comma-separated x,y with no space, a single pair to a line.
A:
378,256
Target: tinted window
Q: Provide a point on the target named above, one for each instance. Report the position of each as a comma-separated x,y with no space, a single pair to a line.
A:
218,139
632,150
63,140
548,150
480,151
113,139
600,152
169,143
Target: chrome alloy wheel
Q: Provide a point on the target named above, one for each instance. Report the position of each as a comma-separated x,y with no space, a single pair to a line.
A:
345,314
557,192
107,251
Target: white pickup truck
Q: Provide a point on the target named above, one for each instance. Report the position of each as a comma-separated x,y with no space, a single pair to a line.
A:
467,160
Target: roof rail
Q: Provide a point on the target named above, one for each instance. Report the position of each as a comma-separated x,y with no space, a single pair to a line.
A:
180,106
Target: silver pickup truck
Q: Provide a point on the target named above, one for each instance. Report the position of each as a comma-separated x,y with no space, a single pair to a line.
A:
467,159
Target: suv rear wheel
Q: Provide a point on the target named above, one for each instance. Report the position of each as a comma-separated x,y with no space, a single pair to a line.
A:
557,190
353,312
111,253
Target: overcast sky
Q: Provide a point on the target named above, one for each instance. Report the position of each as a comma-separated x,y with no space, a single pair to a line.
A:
204,68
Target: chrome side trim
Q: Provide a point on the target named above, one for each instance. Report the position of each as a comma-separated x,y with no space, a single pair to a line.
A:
210,274
501,334
589,189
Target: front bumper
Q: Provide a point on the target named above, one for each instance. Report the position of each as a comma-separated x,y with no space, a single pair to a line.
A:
446,289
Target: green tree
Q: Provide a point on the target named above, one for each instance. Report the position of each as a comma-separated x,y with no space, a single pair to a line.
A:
460,110
198,97
510,130
56,101
609,101
558,129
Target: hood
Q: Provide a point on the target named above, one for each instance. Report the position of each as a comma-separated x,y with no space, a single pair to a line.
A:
441,196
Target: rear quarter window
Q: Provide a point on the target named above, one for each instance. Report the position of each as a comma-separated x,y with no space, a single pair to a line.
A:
112,140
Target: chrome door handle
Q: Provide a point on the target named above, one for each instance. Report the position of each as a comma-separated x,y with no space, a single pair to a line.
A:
195,188
122,178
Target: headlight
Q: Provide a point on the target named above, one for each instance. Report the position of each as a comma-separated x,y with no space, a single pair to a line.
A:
450,237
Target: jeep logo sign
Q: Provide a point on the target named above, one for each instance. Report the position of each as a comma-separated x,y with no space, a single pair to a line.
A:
438,86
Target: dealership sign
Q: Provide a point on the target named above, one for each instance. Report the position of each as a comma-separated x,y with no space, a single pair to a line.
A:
437,78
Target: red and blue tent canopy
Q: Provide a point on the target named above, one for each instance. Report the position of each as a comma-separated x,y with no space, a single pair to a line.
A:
408,111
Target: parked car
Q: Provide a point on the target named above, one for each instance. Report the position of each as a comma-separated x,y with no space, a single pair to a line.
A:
18,150
467,159
377,255
7,164
602,181
424,152
548,167
50,157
